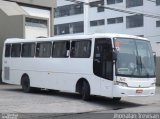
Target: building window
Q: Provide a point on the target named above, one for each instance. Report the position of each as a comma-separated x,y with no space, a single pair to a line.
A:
97,22
15,50
80,49
36,22
100,9
60,49
96,4
7,50
134,3
68,10
157,23
61,11
134,21
43,49
64,29
69,28
77,27
115,20
157,2
28,50
114,1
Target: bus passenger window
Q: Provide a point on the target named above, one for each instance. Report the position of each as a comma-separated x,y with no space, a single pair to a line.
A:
16,50
7,50
28,50
80,49
43,49
60,49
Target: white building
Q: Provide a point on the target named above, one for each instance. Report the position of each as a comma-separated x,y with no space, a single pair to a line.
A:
69,18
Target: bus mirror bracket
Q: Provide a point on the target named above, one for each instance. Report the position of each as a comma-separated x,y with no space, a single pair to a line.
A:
114,54
154,55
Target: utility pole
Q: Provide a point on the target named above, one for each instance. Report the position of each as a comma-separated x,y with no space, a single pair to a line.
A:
86,12
86,16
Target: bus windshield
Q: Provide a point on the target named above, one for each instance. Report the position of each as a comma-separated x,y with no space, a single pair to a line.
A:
134,58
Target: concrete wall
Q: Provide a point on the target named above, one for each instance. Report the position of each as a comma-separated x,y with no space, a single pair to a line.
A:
50,4
10,27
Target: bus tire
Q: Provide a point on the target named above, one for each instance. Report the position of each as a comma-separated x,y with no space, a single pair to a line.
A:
25,82
85,91
116,99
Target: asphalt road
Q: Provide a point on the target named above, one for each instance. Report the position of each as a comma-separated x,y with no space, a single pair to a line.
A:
64,105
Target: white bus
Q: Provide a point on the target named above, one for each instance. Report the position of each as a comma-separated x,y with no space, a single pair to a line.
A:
110,65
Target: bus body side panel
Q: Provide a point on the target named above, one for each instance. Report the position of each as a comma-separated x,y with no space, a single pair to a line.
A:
63,74
106,88
54,73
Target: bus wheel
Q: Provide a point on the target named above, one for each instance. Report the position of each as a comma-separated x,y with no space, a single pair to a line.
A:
116,99
26,84
85,91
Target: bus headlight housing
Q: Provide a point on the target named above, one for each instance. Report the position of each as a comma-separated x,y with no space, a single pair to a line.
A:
121,84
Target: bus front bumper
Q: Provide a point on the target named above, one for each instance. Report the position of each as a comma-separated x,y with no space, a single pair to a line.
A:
119,91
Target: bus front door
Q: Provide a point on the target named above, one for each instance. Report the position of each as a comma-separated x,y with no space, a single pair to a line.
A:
103,65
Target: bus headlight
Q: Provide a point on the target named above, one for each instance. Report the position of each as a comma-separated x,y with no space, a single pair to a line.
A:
121,84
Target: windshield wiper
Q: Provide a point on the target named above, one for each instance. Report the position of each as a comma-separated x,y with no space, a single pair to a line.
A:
143,66
140,66
135,66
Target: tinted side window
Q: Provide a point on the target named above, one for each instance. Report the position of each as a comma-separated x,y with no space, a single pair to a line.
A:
60,49
81,49
28,50
16,50
103,62
43,49
7,50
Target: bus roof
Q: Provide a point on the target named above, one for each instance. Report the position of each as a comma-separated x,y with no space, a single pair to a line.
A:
74,37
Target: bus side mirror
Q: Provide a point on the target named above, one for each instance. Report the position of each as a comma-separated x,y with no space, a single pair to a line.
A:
154,55
114,54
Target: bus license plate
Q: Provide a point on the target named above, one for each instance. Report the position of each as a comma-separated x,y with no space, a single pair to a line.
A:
139,91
